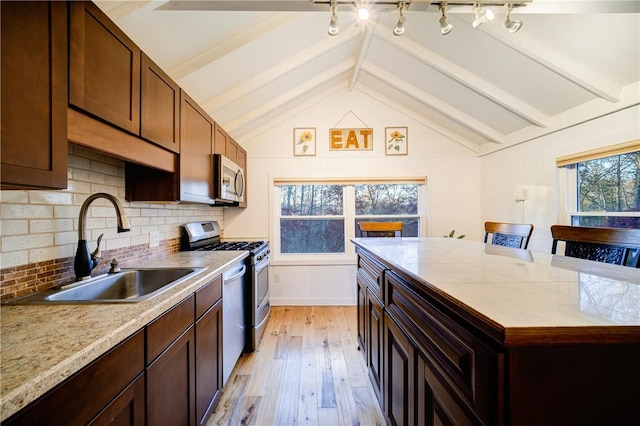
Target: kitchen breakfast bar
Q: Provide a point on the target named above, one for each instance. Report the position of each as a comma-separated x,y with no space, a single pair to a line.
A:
460,332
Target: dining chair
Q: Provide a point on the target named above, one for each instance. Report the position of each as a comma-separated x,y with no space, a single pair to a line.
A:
380,229
514,235
610,245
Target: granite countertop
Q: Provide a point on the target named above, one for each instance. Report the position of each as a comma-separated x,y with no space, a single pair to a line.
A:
518,294
42,345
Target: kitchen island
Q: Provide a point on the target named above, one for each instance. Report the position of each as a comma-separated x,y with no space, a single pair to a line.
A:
461,332
43,345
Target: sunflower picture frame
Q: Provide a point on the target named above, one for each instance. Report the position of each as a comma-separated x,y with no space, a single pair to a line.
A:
304,141
396,140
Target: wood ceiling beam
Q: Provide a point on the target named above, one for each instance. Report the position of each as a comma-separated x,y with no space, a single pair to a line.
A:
230,44
282,68
361,54
468,79
559,64
369,91
420,95
293,94
118,9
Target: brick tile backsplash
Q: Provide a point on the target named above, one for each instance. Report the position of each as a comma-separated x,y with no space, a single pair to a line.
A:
39,228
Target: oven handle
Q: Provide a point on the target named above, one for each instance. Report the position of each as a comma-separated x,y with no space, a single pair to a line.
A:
266,318
236,276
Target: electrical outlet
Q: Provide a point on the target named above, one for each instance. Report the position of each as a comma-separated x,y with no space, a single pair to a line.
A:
277,278
154,239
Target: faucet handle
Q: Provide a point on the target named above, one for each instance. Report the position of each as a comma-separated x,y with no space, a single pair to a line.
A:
115,267
97,253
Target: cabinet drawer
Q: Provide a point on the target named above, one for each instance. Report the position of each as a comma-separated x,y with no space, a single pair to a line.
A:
371,272
78,399
208,295
168,327
463,361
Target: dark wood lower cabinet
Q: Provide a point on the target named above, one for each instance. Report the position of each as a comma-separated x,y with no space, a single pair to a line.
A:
127,409
171,384
436,404
103,392
375,339
399,376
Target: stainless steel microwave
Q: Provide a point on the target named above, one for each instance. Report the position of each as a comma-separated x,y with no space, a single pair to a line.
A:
228,182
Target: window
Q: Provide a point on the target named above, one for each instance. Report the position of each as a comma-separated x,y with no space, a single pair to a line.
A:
388,203
317,219
605,189
312,219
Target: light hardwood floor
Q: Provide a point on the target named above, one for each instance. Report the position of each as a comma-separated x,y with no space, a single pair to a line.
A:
306,371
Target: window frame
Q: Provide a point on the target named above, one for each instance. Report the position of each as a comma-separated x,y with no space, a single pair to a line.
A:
568,180
349,217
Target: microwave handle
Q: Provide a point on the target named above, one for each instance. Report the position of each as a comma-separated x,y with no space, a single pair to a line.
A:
238,183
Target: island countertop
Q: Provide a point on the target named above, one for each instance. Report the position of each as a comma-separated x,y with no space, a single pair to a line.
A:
42,345
518,296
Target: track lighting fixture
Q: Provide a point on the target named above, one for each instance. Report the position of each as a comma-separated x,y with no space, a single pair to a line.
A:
482,15
333,23
445,26
398,30
512,25
480,8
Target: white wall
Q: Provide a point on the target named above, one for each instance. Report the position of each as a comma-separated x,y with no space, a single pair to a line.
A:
452,171
532,166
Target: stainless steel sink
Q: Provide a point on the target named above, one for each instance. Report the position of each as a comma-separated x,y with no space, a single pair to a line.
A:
129,285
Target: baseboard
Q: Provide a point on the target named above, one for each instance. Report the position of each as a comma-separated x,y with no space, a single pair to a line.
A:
308,301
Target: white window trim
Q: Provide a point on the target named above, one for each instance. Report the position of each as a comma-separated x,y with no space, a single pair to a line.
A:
349,257
568,182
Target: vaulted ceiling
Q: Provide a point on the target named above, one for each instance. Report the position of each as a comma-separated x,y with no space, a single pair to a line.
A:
254,63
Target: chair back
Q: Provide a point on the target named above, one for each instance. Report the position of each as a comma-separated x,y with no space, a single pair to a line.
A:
380,229
610,245
514,235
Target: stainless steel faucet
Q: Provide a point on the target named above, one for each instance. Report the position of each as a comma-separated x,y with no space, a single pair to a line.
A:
85,262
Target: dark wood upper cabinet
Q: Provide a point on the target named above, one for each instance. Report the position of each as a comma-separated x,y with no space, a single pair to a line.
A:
196,152
34,94
104,68
159,107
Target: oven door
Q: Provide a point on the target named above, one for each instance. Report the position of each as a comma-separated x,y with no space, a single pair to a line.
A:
261,307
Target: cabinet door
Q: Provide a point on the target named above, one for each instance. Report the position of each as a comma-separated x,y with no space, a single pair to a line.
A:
436,404
104,68
362,315
34,94
399,376
208,361
85,394
196,152
220,140
375,337
127,409
159,106
171,384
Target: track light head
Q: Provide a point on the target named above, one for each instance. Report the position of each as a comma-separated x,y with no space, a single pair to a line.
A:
482,15
445,26
398,30
363,13
513,25
333,23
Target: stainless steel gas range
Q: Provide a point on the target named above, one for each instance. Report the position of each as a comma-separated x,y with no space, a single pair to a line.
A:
206,236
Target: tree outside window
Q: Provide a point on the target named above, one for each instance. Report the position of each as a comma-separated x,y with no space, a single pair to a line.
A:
609,185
